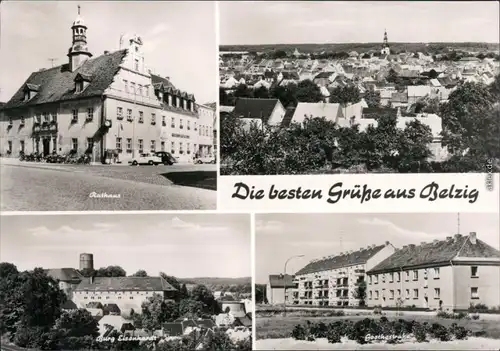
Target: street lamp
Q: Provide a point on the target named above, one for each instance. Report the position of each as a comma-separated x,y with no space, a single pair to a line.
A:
284,281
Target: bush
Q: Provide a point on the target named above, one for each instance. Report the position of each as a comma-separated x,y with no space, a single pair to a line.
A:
333,336
300,332
440,332
458,331
420,332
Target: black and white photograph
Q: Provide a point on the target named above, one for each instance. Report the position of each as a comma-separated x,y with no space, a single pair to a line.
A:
426,281
327,87
108,105
122,282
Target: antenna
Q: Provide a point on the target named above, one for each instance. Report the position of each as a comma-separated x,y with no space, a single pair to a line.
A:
52,60
78,10
458,223
121,41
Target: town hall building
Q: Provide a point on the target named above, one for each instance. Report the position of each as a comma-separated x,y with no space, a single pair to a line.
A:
110,104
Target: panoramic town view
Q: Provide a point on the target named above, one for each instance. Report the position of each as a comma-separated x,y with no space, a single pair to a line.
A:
413,89
82,282
108,117
383,281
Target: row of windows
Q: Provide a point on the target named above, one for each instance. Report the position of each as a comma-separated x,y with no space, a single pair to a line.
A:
203,130
107,297
474,294
74,143
152,146
374,279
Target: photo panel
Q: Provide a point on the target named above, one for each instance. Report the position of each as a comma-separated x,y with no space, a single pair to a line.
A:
108,105
126,282
314,98
391,281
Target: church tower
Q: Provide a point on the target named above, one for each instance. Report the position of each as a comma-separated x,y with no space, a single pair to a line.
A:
385,47
78,53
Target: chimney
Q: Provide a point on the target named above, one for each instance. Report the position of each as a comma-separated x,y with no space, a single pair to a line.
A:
449,238
412,246
106,52
473,238
387,243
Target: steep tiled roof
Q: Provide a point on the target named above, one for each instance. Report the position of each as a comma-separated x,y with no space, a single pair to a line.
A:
254,108
349,259
280,280
126,283
330,111
64,274
324,75
58,83
439,251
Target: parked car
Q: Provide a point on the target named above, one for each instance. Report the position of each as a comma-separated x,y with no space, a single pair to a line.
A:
205,159
166,158
145,159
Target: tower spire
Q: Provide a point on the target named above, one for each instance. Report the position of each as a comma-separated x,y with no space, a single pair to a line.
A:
78,9
78,52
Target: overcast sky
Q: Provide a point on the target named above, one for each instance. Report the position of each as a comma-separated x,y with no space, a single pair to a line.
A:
186,246
289,22
179,39
280,236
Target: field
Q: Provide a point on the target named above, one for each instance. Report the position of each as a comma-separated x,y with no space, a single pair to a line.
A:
362,47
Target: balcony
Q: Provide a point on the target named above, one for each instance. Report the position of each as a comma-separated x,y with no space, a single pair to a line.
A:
45,127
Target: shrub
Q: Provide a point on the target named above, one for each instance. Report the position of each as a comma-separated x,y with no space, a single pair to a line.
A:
377,310
299,332
458,331
440,332
475,317
420,332
334,336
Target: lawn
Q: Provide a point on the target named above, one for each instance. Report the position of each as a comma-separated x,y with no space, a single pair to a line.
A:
278,326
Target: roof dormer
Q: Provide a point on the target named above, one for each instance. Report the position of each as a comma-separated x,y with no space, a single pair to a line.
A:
82,81
30,90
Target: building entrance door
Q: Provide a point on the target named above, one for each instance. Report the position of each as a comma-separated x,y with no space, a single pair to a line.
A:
46,146
426,302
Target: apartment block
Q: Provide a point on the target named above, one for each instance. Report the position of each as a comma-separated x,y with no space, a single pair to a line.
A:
447,274
333,280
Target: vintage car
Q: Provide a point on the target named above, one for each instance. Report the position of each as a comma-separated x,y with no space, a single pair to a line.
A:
145,159
205,159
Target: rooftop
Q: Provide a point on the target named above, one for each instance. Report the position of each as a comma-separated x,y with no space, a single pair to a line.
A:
438,251
342,260
125,284
255,108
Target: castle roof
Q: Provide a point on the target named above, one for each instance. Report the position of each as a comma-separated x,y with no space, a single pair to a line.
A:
125,284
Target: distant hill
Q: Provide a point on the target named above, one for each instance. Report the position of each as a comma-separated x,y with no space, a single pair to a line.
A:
363,47
213,281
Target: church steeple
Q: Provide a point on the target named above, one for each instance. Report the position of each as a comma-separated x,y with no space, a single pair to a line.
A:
385,47
78,53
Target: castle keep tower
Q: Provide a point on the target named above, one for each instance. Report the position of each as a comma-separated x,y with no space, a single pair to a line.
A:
78,53
86,261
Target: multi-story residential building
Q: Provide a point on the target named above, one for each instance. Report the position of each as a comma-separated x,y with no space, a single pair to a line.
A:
206,129
333,280
105,105
280,289
448,274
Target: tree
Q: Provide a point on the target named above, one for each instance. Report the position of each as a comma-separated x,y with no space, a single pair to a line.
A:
184,291
360,293
287,95
413,147
156,311
307,91
171,280
392,76
345,95
243,91
433,74
470,123
495,87
261,93
74,330
140,273
225,99
366,56
111,271
372,98
230,129
191,308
